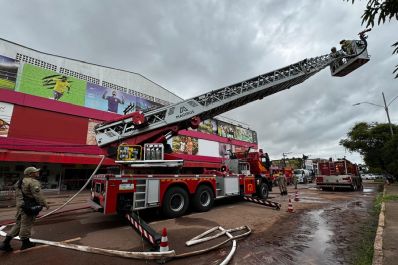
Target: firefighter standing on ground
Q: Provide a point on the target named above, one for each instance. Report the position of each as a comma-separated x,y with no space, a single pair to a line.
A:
24,222
282,184
295,181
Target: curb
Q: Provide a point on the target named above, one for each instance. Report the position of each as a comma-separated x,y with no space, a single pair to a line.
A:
378,244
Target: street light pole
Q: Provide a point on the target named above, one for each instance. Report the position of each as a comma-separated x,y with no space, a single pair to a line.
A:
388,115
284,155
385,107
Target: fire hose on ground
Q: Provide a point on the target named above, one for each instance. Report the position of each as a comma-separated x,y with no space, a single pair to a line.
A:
165,255
144,255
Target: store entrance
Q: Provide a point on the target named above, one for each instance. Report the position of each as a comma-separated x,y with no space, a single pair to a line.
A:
74,179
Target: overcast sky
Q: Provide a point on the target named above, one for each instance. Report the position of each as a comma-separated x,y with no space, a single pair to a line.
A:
190,47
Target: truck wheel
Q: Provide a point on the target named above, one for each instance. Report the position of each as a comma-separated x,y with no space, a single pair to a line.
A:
203,199
262,191
175,202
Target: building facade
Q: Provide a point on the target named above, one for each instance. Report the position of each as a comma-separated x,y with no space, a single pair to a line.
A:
50,104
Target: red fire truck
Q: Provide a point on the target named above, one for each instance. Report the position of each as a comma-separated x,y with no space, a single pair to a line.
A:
150,177
338,174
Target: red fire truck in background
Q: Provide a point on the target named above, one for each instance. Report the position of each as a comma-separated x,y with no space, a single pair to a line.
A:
338,174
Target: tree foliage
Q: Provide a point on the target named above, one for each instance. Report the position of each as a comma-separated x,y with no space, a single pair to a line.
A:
380,11
375,143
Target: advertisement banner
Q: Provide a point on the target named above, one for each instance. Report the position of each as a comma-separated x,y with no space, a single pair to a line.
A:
208,126
8,72
90,140
185,145
254,137
6,110
107,99
41,82
243,134
226,130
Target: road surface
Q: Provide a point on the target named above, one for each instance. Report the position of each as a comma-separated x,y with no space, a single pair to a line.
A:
324,229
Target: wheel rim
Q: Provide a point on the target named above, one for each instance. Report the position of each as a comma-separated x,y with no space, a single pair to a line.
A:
204,198
176,202
263,191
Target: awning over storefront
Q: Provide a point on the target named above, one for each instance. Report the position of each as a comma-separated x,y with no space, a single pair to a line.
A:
49,157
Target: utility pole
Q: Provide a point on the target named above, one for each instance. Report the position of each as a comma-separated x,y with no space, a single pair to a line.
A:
284,155
388,114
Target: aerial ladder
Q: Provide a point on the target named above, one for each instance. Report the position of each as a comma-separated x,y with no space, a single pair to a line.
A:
142,134
157,125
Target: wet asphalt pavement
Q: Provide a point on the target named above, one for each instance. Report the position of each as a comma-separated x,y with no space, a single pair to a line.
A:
325,229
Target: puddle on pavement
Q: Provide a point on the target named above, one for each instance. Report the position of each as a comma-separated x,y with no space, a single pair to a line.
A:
306,241
312,200
367,190
317,246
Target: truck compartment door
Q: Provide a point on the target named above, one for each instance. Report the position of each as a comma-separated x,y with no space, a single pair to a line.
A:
153,191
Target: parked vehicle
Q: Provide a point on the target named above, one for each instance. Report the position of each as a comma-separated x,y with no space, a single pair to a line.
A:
303,175
369,176
339,174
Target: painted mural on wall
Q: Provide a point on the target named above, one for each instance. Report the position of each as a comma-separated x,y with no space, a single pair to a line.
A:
8,72
185,145
41,82
6,110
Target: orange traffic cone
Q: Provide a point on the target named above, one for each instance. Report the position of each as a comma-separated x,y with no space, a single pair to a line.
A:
290,206
164,242
296,197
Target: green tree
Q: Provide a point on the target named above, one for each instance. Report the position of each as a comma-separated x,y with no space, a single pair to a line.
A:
380,11
374,142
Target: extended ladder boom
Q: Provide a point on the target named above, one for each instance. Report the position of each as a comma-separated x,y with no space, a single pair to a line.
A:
190,112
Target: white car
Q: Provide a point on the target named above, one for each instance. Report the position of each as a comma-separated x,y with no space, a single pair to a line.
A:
369,176
303,175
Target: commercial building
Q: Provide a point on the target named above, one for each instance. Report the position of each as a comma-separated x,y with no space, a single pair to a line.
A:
50,104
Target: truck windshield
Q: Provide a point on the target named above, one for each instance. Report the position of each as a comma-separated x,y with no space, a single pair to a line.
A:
298,171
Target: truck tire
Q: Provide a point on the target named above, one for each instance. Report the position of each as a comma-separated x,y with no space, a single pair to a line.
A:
354,186
203,199
262,191
175,202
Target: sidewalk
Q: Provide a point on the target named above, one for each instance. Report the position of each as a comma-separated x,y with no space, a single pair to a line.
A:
54,199
390,233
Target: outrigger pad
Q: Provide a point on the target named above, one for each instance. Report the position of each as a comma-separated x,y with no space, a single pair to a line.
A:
144,229
272,204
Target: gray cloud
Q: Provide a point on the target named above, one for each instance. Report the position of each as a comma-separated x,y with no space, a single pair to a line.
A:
191,47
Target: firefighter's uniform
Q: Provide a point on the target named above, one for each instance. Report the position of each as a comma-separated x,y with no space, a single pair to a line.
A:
295,181
24,222
282,184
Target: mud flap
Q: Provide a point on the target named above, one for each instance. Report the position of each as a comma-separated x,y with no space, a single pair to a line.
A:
275,205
